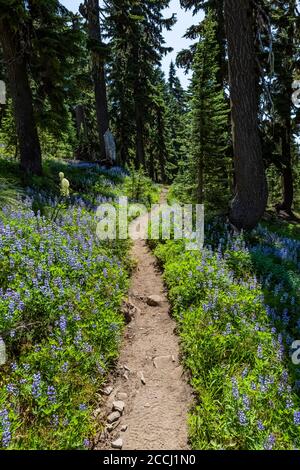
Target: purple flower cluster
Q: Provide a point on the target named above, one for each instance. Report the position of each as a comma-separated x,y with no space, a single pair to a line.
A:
51,393
6,427
36,385
270,442
297,418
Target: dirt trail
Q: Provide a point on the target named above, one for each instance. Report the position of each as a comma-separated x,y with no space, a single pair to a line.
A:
157,396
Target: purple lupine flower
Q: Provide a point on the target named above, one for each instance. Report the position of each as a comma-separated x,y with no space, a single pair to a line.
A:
100,369
242,418
14,366
65,367
253,386
82,407
36,385
289,404
235,390
78,338
6,428
63,324
246,402
51,392
11,388
285,376
297,418
86,443
270,442
228,329
260,352
87,348
260,426
113,327
55,420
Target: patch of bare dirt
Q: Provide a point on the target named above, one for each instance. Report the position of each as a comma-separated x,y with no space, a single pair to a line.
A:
149,378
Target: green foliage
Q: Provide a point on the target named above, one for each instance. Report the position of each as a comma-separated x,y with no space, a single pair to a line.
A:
231,352
205,175
139,188
61,291
9,192
137,46
8,138
176,100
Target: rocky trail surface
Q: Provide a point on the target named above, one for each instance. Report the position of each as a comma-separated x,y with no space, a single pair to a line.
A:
148,398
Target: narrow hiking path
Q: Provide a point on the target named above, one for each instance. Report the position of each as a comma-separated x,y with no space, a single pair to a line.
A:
149,378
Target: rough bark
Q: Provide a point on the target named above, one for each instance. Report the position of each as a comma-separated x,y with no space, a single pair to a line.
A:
90,10
140,146
16,66
162,147
251,194
151,164
287,171
80,120
286,112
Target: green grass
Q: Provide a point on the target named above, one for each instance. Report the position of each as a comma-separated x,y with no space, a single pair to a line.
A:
60,298
244,394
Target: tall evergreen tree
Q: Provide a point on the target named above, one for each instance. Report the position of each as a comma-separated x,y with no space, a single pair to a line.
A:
176,99
185,57
14,37
135,29
285,47
40,49
90,10
251,195
207,165
159,137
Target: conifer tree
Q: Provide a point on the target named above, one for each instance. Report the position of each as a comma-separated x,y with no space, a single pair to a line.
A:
135,30
159,137
14,33
185,57
40,50
285,46
209,115
176,99
90,10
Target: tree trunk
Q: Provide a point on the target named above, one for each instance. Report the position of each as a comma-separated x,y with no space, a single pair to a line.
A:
251,195
29,145
151,164
162,146
90,10
140,147
287,172
80,121
200,180
287,79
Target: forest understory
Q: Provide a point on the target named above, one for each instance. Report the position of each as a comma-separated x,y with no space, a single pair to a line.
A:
117,343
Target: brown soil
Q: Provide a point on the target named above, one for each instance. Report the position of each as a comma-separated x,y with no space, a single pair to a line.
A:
156,410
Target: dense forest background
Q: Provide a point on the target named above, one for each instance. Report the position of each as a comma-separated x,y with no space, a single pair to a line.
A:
71,77
90,116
